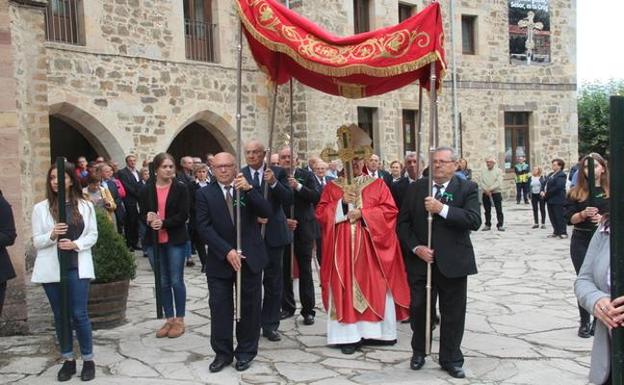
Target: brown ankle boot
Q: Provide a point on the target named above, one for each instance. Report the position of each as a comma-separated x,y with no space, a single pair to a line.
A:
164,330
177,328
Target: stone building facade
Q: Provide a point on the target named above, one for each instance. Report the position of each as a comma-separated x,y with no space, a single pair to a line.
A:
128,86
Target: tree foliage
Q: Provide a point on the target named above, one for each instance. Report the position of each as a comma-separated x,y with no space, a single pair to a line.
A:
593,115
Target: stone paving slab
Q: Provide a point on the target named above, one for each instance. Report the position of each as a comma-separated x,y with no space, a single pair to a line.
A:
520,329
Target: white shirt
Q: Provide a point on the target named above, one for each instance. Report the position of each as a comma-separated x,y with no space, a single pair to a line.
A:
225,191
434,191
135,173
374,174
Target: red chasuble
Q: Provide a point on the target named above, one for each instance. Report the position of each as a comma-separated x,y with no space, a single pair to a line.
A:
362,262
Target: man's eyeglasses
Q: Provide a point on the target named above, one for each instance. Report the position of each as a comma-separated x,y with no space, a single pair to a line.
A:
437,162
224,166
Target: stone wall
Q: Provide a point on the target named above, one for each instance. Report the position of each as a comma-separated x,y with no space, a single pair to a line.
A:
24,139
488,85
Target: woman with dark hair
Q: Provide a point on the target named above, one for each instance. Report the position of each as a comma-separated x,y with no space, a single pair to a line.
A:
74,239
537,184
7,238
584,213
593,291
555,197
164,207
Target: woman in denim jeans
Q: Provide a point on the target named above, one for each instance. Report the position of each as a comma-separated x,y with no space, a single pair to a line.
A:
167,216
74,239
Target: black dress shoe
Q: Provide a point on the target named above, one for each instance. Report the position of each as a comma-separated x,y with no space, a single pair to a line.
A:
218,364
67,370
286,314
242,365
88,371
584,330
272,336
417,362
455,371
348,348
308,319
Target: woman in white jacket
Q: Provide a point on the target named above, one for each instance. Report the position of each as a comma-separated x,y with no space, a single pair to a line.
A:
74,239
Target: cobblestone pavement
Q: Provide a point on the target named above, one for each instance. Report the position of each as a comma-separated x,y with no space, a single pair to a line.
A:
520,329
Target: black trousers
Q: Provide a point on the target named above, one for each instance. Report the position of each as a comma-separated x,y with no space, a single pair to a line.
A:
273,287
131,224
3,286
452,300
578,248
522,189
487,207
555,214
221,301
303,253
537,200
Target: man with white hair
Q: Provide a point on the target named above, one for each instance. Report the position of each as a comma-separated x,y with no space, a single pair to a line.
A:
491,182
372,166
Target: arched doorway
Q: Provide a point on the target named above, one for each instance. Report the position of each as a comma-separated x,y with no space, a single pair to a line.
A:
194,140
67,140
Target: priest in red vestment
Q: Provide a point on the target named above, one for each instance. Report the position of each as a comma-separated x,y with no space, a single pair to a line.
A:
363,280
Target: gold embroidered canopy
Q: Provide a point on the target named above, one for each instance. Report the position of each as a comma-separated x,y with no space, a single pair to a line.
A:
287,45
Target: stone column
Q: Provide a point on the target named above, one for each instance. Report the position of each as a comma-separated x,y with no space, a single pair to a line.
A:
24,135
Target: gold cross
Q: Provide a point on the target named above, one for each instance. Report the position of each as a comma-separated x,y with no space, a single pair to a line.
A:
346,153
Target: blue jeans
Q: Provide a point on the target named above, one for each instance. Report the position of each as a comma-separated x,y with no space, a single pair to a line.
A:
172,286
79,320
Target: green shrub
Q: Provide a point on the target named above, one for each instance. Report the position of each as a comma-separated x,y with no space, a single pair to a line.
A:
112,259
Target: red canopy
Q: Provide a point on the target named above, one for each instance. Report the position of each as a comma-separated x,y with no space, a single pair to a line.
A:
287,45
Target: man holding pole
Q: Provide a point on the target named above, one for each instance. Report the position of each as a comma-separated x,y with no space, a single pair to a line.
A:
273,182
216,225
305,233
455,209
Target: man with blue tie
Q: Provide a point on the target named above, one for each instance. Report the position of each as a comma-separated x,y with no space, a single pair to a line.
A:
305,233
216,226
454,207
276,234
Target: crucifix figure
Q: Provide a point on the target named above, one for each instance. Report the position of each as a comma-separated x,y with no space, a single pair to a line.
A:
530,25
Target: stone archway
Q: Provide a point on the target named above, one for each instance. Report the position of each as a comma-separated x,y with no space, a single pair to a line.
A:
202,133
67,120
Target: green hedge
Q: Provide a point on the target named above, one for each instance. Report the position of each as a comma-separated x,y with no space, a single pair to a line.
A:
112,259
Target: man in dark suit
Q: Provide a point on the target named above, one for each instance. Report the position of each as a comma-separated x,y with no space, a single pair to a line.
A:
555,197
305,233
276,234
322,179
412,173
216,226
129,177
372,166
455,210
7,238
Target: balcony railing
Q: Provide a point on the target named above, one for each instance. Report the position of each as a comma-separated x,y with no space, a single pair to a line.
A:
63,20
199,40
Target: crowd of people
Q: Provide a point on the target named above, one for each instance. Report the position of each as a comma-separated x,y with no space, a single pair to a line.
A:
368,237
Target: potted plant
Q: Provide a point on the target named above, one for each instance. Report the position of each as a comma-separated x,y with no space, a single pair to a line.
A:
114,268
